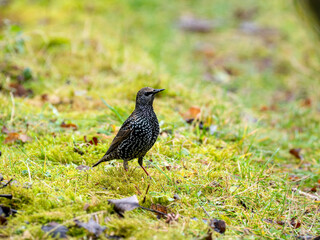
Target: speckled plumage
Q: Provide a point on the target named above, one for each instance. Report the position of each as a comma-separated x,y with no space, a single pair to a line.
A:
138,133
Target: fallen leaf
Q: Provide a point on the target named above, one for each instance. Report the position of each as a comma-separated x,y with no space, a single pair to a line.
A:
13,137
279,222
83,168
94,141
306,102
55,230
195,111
125,204
192,24
69,125
193,116
24,138
130,203
294,223
313,189
44,97
92,226
218,225
159,208
296,152
19,90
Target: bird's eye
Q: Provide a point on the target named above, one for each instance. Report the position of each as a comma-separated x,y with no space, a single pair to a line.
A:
147,93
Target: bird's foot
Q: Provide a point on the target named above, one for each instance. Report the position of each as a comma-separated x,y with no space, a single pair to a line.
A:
146,172
125,166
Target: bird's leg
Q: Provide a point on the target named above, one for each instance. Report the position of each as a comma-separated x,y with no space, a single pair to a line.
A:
140,159
125,165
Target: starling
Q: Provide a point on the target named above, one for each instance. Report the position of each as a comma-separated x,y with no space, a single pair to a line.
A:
138,133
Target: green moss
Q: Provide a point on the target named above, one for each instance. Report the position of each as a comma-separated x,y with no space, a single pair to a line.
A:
79,53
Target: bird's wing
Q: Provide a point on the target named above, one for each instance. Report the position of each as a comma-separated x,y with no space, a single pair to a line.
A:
124,132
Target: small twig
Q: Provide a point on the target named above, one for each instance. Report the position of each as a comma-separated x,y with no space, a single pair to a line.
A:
306,194
155,211
144,199
5,185
139,193
205,211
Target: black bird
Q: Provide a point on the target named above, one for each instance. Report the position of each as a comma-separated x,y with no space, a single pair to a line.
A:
138,133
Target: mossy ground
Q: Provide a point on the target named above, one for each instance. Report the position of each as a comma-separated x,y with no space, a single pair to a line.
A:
263,99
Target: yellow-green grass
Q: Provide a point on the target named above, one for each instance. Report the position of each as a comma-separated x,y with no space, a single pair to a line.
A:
84,52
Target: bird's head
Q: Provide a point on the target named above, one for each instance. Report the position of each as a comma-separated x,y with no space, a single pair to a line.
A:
145,96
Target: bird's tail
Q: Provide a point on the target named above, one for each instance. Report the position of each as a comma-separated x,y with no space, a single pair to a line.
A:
105,158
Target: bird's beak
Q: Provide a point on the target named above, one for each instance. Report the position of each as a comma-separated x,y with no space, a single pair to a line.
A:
157,90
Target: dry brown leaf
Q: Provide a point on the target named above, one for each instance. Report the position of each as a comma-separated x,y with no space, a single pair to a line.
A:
94,141
159,208
193,113
19,90
218,225
306,102
69,125
296,152
13,137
